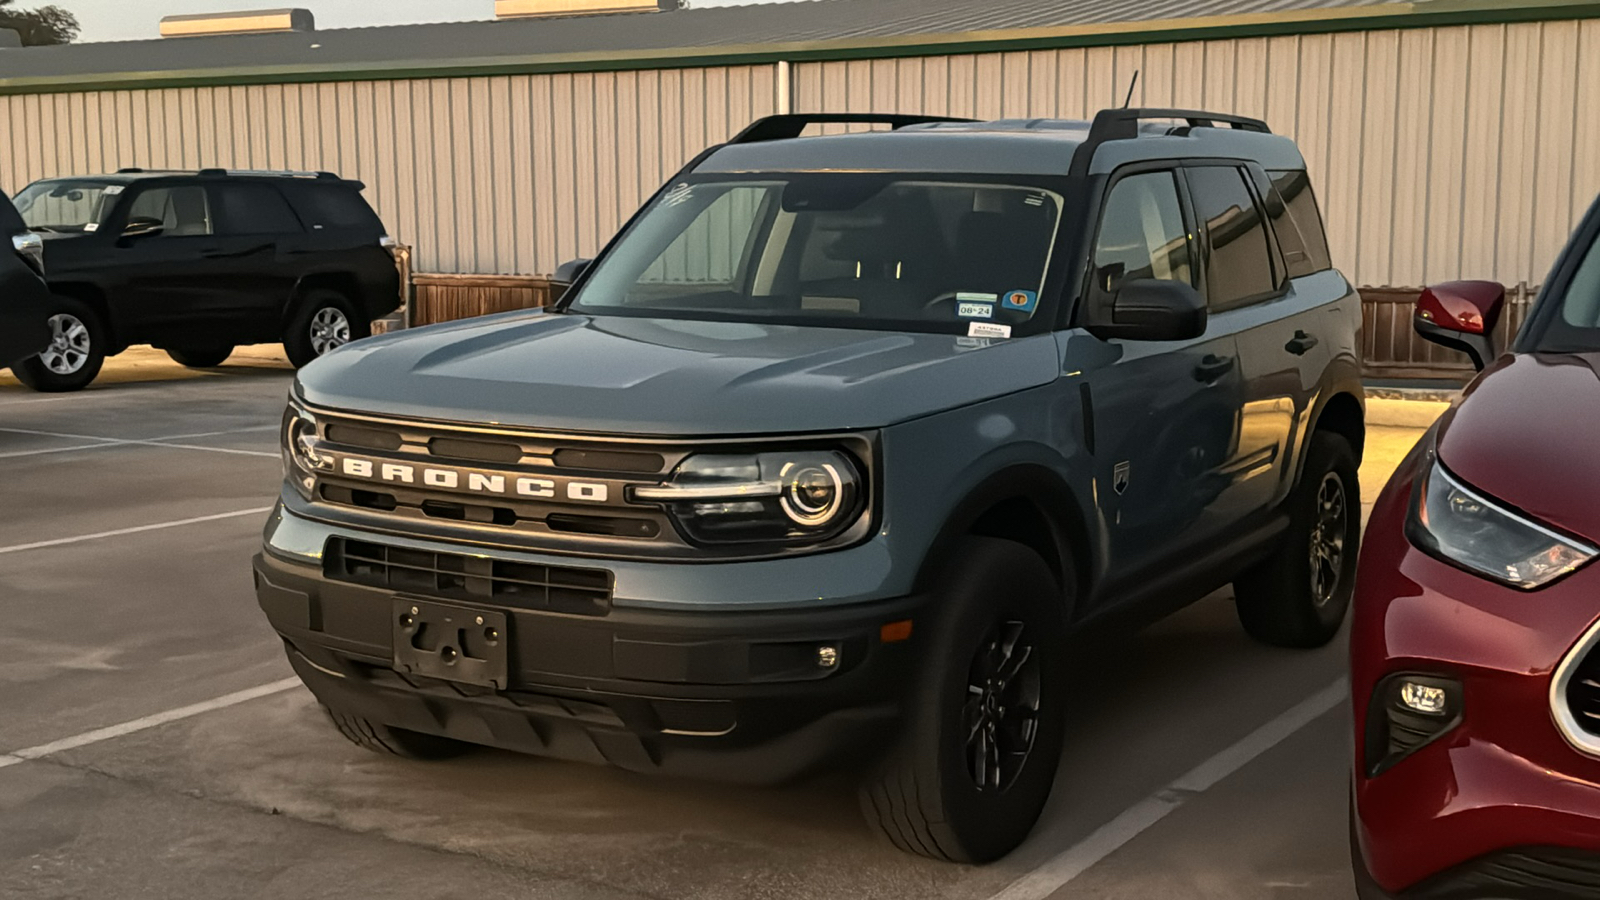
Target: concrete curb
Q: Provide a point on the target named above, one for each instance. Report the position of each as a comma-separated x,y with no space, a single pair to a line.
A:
1394,413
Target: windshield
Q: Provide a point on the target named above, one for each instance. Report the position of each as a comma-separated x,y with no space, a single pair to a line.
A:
67,205
1574,326
839,250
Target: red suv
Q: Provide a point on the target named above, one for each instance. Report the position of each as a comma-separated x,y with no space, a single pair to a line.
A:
1475,646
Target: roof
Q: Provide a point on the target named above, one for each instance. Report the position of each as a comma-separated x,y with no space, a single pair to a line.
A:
813,29
133,176
1032,147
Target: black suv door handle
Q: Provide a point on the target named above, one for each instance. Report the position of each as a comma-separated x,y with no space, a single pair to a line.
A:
1302,344
220,253
1213,367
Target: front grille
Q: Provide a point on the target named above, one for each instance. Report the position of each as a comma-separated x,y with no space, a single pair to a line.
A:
1583,693
455,576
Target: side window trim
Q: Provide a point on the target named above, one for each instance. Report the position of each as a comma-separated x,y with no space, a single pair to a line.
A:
1253,175
1274,254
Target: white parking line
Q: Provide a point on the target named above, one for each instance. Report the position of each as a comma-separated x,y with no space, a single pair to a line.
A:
159,526
1061,869
131,442
162,718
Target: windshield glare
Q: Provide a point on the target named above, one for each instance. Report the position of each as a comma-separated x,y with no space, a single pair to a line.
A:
67,206
839,250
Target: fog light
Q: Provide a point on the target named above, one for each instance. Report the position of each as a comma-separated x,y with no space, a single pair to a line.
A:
1427,699
828,657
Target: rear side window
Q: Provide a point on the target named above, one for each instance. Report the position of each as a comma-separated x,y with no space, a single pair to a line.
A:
1142,234
253,209
334,207
1240,266
1298,222
182,211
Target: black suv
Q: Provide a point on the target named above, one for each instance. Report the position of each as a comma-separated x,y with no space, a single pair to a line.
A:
196,263
23,296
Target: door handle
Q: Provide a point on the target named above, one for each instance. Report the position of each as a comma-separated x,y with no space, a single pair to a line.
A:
1302,344
1213,367
219,253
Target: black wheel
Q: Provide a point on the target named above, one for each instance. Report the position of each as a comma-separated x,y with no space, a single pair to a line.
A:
395,741
201,357
77,350
323,321
1299,597
978,754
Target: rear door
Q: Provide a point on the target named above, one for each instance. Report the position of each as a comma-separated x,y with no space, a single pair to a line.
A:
1165,413
23,297
253,224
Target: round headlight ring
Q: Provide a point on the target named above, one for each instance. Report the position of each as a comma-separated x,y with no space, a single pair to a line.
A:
813,493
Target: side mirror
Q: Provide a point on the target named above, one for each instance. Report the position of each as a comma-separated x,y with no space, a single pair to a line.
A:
143,226
30,246
1462,315
1148,309
566,275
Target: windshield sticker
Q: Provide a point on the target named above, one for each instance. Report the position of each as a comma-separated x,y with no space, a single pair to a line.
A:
92,227
977,298
1022,301
975,310
113,189
988,330
678,196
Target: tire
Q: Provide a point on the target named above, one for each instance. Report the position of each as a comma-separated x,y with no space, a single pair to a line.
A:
924,796
201,357
1287,601
323,321
392,741
75,355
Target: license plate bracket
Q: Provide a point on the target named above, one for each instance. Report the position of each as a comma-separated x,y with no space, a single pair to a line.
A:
452,643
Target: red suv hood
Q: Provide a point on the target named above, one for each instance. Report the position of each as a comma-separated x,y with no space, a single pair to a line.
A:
1528,433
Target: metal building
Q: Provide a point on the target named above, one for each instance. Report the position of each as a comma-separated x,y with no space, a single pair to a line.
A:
1448,139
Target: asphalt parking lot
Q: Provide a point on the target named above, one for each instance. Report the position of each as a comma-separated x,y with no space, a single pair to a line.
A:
152,744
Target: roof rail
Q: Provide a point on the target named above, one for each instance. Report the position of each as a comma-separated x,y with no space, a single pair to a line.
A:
1123,125
272,173
780,128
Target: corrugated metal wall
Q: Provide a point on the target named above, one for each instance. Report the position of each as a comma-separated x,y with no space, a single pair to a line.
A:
1439,153
495,175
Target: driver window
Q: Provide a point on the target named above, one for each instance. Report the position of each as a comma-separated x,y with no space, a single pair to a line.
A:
182,211
1142,234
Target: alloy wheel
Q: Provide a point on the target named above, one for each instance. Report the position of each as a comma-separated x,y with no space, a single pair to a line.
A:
1000,718
68,352
330,330
1327,539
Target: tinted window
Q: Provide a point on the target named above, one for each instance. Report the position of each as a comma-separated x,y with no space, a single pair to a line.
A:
1298,223
334,207
253,209
183,211
1240,267
1574,325
1142,234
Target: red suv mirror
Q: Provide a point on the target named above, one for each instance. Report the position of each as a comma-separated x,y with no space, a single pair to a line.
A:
1462,315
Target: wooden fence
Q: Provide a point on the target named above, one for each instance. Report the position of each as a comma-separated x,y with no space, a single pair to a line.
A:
1392,347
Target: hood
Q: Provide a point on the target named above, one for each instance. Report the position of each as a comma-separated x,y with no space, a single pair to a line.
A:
670,378
1528,433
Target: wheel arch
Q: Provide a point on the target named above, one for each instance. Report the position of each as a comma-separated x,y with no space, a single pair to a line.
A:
345,284
96,299
1025,504
1343,415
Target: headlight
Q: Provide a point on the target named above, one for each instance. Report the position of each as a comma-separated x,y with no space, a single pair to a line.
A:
801,497
302,460
1460,526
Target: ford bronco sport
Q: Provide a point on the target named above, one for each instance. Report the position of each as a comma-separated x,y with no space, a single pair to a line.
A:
197,263
829,454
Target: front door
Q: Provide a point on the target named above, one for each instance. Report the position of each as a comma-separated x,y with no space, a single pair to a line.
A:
166,282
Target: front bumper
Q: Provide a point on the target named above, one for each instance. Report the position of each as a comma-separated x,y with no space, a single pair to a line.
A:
734,696
1500,804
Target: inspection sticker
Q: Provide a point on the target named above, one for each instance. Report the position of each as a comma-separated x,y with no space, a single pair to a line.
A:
988,330
1022,301
975,310
112,190
977,298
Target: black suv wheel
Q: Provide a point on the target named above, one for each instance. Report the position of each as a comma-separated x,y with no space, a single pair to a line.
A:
983,736
1299,596
324,320
201,357
77,350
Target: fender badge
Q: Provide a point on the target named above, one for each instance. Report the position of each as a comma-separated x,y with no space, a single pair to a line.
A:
1119,480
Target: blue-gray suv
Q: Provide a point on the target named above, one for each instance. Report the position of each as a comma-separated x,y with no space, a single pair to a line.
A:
833,455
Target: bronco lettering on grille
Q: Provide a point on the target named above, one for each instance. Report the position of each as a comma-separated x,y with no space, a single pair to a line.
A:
493,484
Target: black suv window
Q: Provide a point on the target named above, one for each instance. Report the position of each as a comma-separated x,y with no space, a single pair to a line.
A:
253,209
325,206
1240,267
1142,234
183,211
1298,223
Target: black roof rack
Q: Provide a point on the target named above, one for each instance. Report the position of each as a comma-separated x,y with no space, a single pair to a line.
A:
781,128
1123,125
